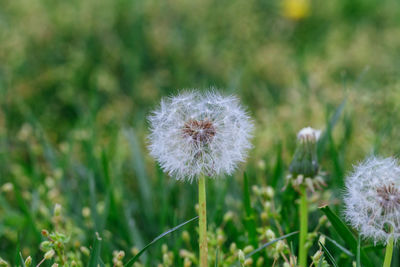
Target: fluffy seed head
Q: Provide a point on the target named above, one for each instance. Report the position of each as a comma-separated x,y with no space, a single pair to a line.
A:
197,133
308,134
372,199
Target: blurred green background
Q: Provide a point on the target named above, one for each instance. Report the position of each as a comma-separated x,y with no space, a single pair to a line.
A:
78,78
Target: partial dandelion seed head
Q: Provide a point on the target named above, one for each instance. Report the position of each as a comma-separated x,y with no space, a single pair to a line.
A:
196,133
308,134
372,199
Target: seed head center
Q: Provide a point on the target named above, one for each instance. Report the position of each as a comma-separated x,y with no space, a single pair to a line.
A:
199,130
389,197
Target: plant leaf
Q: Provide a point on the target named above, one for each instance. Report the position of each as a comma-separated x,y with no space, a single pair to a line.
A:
329,256
345,233
136,257
94,259
250,223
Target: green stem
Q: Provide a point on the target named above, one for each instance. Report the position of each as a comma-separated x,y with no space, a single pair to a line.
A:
303,227
388,253
203,222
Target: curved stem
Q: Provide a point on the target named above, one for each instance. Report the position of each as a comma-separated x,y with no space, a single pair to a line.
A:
303,227
388,253
203,222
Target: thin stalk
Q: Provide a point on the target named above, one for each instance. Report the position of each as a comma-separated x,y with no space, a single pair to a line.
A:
388,253
203,222
303,227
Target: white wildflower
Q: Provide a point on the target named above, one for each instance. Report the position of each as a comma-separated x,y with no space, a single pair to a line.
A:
197,133
372,199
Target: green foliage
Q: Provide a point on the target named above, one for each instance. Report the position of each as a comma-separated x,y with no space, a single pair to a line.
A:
78,78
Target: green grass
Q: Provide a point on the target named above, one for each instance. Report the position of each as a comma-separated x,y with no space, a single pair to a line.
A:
78,78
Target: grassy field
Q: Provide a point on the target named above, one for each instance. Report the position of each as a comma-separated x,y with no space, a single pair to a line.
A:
78,79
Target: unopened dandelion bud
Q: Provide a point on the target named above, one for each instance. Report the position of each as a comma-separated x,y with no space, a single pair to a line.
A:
28,261
228,216
57,210
85,251
305,157
248,249
49,254
241,256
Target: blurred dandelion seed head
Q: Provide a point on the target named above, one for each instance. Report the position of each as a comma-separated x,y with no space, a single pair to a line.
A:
308,134
196,133
372,199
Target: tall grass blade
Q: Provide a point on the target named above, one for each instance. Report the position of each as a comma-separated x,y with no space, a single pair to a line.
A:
249,219
329,256
94,259
136,257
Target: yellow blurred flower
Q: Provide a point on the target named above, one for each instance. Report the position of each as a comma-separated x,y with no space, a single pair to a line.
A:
296,9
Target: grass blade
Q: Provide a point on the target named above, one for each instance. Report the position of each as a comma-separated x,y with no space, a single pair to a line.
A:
345,233
358,262
94,259
329,256
270,243
343,249
136,257
249,219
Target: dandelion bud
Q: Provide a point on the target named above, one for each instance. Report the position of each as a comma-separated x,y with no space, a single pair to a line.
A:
49,254
241,256
28,261
305,157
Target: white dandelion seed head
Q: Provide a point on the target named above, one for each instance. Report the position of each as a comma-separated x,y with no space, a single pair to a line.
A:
372,199
308,134
196,133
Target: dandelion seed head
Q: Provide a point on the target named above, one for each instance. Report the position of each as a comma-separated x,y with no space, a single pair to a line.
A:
196,133
372,199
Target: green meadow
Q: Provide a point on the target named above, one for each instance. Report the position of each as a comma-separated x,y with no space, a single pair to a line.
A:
78,80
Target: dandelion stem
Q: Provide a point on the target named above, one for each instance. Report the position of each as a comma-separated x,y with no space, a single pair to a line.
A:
388,253
203,222
303,227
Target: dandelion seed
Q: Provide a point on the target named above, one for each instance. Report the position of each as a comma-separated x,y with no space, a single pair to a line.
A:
372,199
195,134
